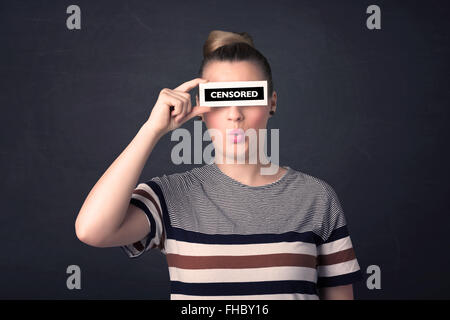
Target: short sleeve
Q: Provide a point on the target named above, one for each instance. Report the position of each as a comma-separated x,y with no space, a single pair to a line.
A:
337,264
148,197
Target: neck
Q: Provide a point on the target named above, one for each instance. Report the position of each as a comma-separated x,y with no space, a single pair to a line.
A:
251,174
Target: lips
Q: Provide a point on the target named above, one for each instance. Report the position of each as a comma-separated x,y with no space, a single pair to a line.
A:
236,135
236,132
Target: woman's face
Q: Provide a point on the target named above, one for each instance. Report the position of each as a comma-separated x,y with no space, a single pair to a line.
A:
227,118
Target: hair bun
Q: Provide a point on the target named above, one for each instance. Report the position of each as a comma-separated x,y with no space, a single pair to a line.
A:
219,38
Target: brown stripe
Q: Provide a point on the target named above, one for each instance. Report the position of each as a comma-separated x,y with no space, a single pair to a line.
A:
146,195
237,262
138,245
337,257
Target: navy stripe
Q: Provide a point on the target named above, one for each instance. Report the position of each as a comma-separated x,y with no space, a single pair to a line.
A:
144,208
197,237
340,279
337,234
243,288
165,213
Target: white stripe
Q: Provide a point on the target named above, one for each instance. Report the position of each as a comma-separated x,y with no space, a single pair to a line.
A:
150,191
134,196
243,275
335,246
132,252
200,249
290,296
154,213
338,268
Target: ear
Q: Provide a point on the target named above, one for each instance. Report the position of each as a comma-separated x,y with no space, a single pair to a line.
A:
196,99
273,101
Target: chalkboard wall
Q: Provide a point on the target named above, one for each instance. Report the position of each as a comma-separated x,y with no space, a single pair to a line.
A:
364,109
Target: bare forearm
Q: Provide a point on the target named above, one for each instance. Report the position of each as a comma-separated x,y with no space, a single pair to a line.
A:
337,293
105,207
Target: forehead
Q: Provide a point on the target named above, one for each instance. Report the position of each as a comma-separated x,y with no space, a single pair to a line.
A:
232,71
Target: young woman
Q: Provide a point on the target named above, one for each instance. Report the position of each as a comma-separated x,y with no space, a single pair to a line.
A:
228,231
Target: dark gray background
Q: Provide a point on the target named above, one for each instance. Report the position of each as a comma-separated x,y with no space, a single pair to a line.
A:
364,110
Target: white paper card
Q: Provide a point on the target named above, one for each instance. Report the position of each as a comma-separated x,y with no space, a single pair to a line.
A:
233,93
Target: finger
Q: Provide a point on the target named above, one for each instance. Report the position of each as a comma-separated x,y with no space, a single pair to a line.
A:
189,106
202,109
175,102
189,85
195,112
178,97
186,98
181,94
199,110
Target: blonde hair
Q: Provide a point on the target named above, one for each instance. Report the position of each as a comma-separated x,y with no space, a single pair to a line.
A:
234,46
218,38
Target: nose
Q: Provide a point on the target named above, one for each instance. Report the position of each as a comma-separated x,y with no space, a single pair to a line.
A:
234,113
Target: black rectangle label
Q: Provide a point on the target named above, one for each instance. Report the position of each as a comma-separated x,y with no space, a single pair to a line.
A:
232,94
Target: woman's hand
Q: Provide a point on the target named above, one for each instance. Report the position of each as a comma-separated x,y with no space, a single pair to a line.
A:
173,107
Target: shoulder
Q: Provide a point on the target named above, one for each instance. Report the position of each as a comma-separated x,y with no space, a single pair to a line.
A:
324,202
181,180
313,185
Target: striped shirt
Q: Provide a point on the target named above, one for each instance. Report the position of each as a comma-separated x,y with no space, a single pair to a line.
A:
226,240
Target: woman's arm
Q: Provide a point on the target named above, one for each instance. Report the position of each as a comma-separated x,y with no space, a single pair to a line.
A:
106,206
106,216
336,293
